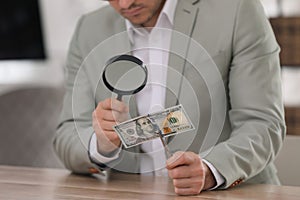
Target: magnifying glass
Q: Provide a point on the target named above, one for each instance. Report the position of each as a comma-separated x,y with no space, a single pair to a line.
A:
125,75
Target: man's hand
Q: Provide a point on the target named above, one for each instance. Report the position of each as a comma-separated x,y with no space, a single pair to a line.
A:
190,175
107,114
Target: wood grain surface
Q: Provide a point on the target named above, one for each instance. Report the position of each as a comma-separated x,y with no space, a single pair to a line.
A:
43,184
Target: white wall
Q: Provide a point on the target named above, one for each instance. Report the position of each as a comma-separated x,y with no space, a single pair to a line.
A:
60,18
289,7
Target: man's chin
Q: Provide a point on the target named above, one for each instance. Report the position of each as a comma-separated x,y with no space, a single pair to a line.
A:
137,21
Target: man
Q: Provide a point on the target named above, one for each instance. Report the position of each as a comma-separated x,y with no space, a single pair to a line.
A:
239,40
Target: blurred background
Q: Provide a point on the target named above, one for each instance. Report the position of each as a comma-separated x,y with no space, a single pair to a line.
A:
31,77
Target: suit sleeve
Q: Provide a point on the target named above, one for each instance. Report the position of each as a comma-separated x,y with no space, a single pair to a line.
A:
69,143
255,99
75,129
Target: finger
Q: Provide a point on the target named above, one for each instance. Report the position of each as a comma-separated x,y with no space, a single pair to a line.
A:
109,115
120,117
187,191
107,125
179,158
101,114
196,181
98,120
114,104
179,172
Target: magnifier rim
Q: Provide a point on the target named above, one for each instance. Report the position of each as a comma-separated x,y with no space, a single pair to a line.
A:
126,58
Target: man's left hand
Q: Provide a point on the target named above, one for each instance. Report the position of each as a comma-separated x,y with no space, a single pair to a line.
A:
190,175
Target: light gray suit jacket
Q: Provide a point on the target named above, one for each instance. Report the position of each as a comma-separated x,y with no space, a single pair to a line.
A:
235,103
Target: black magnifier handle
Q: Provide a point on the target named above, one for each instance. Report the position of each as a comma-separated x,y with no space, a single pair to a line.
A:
119,97
168,152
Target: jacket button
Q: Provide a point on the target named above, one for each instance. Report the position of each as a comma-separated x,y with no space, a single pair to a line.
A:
93,170
236,182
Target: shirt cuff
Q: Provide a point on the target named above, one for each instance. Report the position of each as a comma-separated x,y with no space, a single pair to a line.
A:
96,156
218,177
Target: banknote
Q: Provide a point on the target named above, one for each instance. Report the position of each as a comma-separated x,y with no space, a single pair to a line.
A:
165,123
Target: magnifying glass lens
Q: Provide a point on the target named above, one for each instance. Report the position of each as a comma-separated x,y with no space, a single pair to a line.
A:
125,76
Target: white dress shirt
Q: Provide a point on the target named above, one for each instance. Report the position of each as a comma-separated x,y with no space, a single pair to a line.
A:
152,47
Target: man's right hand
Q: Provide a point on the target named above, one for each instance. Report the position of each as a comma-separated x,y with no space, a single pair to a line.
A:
107,114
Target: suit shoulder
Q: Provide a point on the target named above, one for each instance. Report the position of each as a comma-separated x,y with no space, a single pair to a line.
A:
97,26
101,17
228,5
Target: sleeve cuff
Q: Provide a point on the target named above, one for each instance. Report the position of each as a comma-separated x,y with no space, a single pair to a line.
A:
96,156
218,177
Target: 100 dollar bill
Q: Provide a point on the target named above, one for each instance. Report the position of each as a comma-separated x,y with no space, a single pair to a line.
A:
168,122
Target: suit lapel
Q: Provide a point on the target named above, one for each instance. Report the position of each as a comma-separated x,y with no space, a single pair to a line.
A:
124,45
123,42
185,18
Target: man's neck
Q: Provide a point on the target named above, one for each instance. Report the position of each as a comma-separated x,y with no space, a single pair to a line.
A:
152,22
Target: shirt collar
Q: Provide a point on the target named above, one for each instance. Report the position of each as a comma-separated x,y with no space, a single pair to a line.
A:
168,11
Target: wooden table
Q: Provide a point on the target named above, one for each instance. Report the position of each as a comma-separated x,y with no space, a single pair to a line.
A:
43,184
